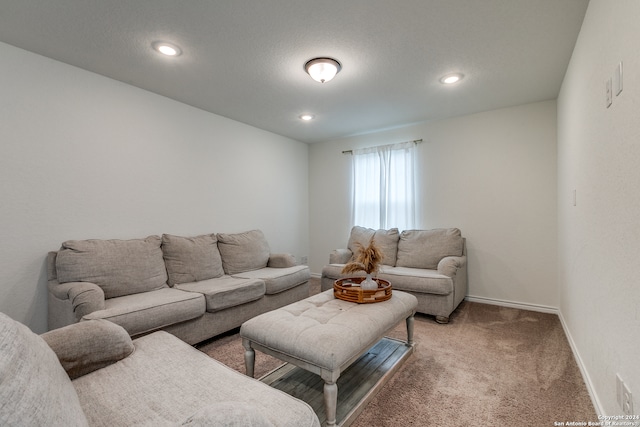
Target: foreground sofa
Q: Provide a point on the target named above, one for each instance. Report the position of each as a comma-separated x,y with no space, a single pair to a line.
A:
192,287
92,373
430,264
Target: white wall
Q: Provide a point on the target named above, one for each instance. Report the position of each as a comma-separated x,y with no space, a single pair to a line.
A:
83,156
599,238
493,175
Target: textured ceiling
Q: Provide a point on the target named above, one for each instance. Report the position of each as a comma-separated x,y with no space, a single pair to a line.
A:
243,59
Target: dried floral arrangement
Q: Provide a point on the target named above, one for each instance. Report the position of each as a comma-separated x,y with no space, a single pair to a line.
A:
367,259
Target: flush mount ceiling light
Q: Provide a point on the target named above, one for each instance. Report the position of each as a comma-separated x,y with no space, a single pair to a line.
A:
307,117
322,69
450,79
168,49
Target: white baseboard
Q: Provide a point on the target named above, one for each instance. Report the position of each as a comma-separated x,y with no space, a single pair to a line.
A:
583,370
553,310
317,275
513,304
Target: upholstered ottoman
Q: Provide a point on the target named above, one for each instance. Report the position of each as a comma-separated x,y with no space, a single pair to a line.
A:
325,335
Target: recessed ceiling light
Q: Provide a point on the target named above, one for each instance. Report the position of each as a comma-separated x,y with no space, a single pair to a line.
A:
307,117
450,79
168,49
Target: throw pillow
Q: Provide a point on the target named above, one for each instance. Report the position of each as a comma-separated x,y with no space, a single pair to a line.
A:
88,346
359,235
243,251
386,240
191,259
425,248
34,389
119,267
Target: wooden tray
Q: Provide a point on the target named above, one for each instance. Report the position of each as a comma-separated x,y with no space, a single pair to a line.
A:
348,289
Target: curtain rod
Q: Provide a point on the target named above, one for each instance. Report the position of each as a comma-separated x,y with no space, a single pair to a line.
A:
415,141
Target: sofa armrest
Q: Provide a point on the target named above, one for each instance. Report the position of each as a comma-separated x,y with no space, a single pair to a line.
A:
340,256
85,297
449,265
88,346
281,261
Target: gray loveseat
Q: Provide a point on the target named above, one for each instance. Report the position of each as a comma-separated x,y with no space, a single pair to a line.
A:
430,264
193,287
92,373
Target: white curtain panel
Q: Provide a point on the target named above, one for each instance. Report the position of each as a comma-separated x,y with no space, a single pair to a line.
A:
383,186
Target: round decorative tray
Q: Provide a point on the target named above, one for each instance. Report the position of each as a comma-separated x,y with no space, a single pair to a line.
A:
348,289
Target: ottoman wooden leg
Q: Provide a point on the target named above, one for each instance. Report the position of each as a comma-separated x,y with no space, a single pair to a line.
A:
249,357
330,402
410,330
330,394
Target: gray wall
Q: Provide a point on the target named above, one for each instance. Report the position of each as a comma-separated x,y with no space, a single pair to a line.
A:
83,156
493,175
599,237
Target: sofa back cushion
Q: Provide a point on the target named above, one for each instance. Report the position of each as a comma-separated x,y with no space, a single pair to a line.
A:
386,240
34,388
243,251
119,267
191,259
425,248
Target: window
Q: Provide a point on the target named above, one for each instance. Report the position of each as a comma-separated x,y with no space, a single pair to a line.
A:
383,186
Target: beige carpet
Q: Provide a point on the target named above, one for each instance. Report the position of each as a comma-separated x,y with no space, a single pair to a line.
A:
490,366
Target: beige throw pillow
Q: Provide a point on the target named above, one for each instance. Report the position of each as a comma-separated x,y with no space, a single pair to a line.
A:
88,346
425,248
243,251
386,240
191,259
119,267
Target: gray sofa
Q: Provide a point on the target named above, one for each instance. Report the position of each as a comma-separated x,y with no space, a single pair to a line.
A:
192,287
93,374
430,264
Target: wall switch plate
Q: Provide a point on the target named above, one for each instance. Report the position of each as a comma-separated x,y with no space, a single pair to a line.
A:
609,92
627,400
619,384
617,79
624,396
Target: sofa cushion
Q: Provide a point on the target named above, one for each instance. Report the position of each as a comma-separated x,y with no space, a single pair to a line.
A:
140,313
386,240
34,388
228,414
417,280
224,292
282,260
243,251
119,267
190,259
278,279
165,381
425,248
334,271
86,346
